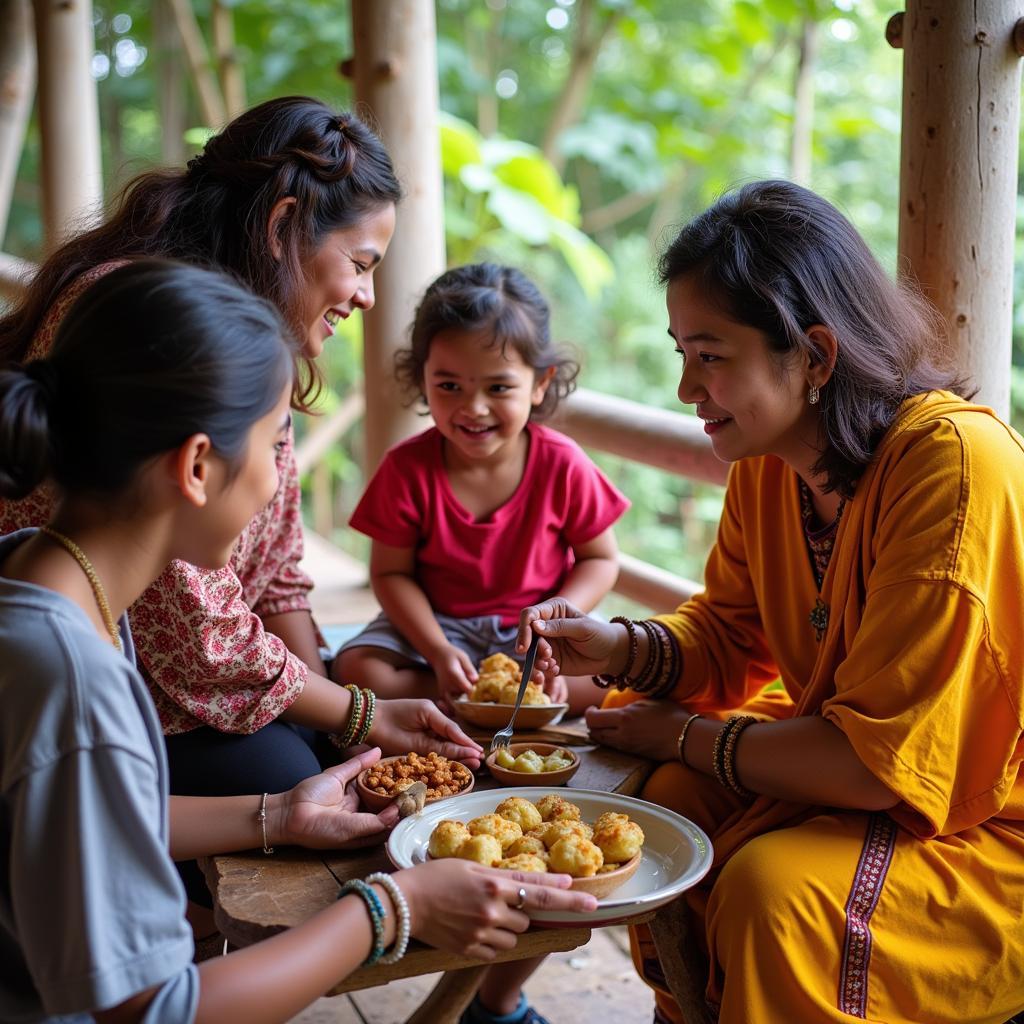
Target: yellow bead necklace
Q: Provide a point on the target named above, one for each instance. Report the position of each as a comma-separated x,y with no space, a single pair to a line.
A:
94,581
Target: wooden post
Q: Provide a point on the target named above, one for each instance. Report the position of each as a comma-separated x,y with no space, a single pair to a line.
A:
170,84
69,123
958,175
395,73
17,85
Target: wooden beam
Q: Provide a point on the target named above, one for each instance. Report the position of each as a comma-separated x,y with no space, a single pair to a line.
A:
645,434
211,102
395,73
17,87
958,175
69,123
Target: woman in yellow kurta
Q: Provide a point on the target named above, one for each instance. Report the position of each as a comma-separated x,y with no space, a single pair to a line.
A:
869,827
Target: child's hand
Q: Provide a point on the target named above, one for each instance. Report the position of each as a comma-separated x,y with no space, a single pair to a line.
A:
455,673
557,689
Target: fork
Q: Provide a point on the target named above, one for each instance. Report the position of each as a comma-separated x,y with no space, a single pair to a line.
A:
500,740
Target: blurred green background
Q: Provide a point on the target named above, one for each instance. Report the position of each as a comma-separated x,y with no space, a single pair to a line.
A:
575,133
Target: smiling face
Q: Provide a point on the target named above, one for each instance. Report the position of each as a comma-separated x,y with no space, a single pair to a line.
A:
480,397
339,275
751,402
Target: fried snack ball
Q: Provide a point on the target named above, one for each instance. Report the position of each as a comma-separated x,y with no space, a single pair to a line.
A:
500,664
533,695
528,844
521,811
505,831
608,818
576,856
446,838
483,848
620,840
560,829
524,862
605,868
556,808
487,688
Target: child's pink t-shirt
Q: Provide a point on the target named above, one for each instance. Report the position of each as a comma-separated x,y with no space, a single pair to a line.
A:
514,558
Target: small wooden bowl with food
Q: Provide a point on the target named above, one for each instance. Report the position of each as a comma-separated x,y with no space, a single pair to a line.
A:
381,783
532,764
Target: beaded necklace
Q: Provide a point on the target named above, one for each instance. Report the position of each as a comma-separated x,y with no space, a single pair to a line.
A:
94,581
820,542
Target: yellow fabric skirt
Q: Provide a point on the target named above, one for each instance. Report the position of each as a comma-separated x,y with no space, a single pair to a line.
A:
846,916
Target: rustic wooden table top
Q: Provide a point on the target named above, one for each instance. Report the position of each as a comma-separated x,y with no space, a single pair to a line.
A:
256,896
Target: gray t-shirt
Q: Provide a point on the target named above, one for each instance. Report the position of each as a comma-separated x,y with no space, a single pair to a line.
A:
91,906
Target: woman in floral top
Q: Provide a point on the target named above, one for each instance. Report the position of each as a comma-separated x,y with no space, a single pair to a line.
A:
298,202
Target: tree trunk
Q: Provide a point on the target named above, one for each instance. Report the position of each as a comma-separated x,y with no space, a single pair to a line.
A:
958,176
803,105
211,103
229,71
170,85
68,118
569,105
395,74
17,84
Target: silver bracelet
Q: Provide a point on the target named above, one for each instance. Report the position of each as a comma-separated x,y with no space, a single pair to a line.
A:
401,906
261,817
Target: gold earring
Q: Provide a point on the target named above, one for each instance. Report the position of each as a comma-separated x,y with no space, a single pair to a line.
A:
813,395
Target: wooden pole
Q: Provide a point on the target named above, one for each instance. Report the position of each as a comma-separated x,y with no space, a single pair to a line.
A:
69,122
395,74
211,102
17,86
229,71
170,84
958,175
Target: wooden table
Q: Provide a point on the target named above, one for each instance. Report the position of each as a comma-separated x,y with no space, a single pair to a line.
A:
257,896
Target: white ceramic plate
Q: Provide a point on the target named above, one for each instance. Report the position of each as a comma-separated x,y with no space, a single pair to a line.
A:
676,853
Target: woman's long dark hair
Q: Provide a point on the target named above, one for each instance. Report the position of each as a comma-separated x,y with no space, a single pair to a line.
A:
502,301
149,355
216,212
780,259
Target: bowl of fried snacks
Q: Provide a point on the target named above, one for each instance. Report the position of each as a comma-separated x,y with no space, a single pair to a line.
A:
532,764
381,783
490,703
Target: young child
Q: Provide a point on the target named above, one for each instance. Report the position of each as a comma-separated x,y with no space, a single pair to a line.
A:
486,511
158,415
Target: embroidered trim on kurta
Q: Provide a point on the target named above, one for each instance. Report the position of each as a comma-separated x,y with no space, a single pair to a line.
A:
875,857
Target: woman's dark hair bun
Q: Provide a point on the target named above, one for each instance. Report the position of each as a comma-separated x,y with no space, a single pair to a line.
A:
27,395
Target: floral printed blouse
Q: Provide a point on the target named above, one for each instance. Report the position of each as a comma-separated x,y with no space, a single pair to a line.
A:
198,633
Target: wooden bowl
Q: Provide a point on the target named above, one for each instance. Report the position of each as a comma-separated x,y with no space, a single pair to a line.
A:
376,802
508,777
487,715
601,886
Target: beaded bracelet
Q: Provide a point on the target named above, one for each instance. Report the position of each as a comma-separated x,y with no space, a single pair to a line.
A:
376,911
401,910
648,673
621,681
681,742
738,723
671,659
347,738
718,752
369,710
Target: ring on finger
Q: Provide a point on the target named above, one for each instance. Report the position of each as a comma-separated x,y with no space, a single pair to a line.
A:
522,899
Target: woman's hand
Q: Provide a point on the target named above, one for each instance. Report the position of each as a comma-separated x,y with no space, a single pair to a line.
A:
403,725
571,642
648,727
455,673
322,812
465,908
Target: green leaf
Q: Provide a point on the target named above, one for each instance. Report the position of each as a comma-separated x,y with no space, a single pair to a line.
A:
520,214
588,261
460,144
